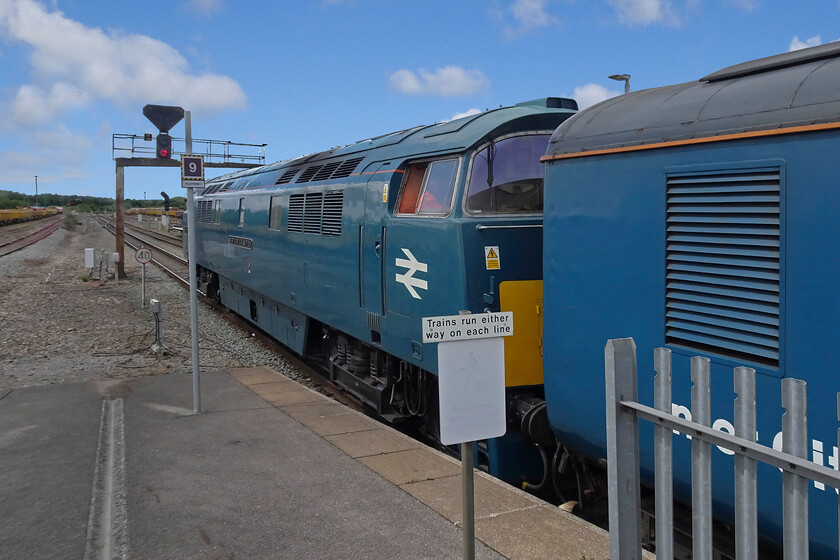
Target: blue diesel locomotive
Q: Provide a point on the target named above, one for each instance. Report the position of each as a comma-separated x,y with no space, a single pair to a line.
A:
340,254
703,217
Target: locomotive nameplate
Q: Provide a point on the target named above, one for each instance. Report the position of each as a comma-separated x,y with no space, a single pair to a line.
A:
244,242
467,327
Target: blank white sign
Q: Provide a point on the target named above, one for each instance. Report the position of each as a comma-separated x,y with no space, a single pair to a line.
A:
471,380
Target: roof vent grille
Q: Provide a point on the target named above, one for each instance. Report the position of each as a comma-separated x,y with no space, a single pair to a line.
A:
287,176
346,168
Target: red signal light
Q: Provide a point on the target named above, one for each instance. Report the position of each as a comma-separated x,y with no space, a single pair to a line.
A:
164,146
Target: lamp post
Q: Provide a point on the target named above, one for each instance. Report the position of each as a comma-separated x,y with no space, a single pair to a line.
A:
36,190
622,78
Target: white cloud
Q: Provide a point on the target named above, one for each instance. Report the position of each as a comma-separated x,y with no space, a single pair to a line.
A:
204,7
746,5
450,81
528,16
32,105
66,151
645,12
590,94
467,113
74,65
796,44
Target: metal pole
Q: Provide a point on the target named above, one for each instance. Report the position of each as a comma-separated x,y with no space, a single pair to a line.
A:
120,224
701,462
142,285
794,487
36,190
746,518
664,461
623,472
468,499
191,249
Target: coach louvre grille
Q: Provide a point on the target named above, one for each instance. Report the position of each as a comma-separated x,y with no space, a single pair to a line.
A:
723,263
316,213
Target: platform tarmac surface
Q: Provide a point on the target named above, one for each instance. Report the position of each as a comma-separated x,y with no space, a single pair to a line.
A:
270,469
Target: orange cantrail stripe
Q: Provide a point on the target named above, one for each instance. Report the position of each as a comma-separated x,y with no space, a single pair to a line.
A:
380,171
704,140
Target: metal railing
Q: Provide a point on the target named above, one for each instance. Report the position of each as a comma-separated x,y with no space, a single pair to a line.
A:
215,151
623,414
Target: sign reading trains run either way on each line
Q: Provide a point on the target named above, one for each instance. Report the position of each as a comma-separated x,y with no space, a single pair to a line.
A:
466,327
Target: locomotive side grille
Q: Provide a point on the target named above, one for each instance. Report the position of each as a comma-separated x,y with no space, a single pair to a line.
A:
723,263
295,213
308,173
333,210
316,213
346,168
326,171
312,212
286,177
204,211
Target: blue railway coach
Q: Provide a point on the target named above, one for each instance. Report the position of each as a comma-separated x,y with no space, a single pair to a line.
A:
340,254
703,217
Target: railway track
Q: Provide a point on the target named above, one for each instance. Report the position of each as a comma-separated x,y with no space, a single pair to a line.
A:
177,268
18,236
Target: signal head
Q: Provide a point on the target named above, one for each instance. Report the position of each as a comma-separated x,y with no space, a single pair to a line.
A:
163,148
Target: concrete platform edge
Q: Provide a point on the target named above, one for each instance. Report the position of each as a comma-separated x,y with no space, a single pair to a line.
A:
512,522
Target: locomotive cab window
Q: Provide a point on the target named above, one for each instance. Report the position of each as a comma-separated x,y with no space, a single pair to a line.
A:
241,212
427,188
507,176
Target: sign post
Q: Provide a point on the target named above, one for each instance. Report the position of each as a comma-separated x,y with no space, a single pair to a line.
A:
192,177
471,382
143,256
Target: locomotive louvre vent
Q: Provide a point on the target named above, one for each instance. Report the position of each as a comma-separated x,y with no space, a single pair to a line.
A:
326,171
287,176
313,212
316,213
723,263
296,213
346,168
204,211
308,173
333,211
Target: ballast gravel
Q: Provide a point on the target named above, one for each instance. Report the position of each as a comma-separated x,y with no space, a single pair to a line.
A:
58,325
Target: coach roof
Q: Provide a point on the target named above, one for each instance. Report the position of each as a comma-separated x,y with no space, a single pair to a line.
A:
789,90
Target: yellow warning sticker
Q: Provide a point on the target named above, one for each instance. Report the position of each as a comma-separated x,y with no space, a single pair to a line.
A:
385,193
491,258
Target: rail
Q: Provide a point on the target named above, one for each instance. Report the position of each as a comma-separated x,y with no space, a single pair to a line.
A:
29,238
623,470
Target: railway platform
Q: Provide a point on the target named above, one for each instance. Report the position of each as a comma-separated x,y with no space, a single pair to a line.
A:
270,469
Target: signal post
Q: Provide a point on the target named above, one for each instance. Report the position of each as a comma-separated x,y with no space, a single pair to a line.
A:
164,117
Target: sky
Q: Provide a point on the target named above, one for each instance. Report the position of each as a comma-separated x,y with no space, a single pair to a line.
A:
302,76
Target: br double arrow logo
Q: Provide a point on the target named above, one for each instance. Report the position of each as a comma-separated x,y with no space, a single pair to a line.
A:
412,265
